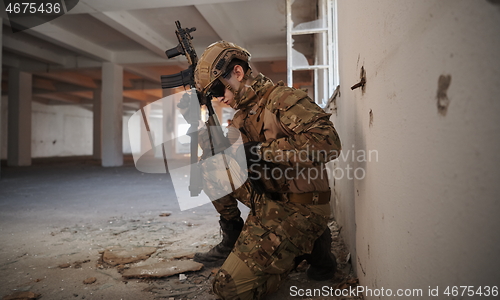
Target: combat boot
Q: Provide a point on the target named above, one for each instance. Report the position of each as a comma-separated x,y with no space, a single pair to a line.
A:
322,262
218,254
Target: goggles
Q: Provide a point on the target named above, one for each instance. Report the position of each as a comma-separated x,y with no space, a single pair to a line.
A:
218,89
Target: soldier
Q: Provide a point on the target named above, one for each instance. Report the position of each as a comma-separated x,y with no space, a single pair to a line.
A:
287,140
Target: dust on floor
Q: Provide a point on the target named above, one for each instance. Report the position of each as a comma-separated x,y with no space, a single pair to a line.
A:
58,222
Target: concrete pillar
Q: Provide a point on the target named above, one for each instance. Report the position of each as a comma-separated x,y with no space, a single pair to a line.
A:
97,135
19,122
112,115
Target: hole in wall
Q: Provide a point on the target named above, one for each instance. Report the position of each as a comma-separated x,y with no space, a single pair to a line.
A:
443,102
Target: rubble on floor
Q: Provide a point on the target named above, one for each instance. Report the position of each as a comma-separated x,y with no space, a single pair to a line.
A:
114,256
90,280
162,269
72,252
22,296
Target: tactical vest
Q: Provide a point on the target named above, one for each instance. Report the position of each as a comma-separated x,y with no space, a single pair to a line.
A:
271,118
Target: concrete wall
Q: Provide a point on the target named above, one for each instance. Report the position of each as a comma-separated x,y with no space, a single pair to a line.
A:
58,130
61,130
426,213
126,135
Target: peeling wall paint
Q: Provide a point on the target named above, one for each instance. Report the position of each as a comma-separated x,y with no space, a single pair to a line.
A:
442,94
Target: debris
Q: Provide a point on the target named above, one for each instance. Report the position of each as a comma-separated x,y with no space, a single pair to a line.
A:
22,296
165,214
302,267
90,280
182,277
188,223
351,282
64,266
119,256
162,269
26,288
78,264
175,293
348,257
124,230
184,254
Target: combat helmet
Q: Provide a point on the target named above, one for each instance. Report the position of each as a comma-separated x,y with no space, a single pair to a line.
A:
214,62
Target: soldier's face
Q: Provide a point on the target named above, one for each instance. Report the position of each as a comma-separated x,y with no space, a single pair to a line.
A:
234,80
228,98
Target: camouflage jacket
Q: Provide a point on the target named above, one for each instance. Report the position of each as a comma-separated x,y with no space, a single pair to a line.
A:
296,135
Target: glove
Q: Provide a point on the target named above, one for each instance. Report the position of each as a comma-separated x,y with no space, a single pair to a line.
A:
189,107
251,152
253,157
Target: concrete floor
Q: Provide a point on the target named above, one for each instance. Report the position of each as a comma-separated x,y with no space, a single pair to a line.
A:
57,216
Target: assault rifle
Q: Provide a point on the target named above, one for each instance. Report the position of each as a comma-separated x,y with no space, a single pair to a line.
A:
185,47
218,142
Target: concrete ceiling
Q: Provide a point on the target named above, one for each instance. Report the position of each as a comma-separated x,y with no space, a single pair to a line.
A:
65,55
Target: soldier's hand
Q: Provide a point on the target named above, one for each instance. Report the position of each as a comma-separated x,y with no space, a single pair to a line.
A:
189,107
252,152
253,157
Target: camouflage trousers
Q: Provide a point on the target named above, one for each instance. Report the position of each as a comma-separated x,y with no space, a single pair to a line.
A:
275,232
267,246
227,207
218,186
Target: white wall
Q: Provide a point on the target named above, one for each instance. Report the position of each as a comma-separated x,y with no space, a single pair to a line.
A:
58,130
125,133
427,212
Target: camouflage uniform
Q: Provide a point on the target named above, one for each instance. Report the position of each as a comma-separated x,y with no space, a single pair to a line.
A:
296,135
